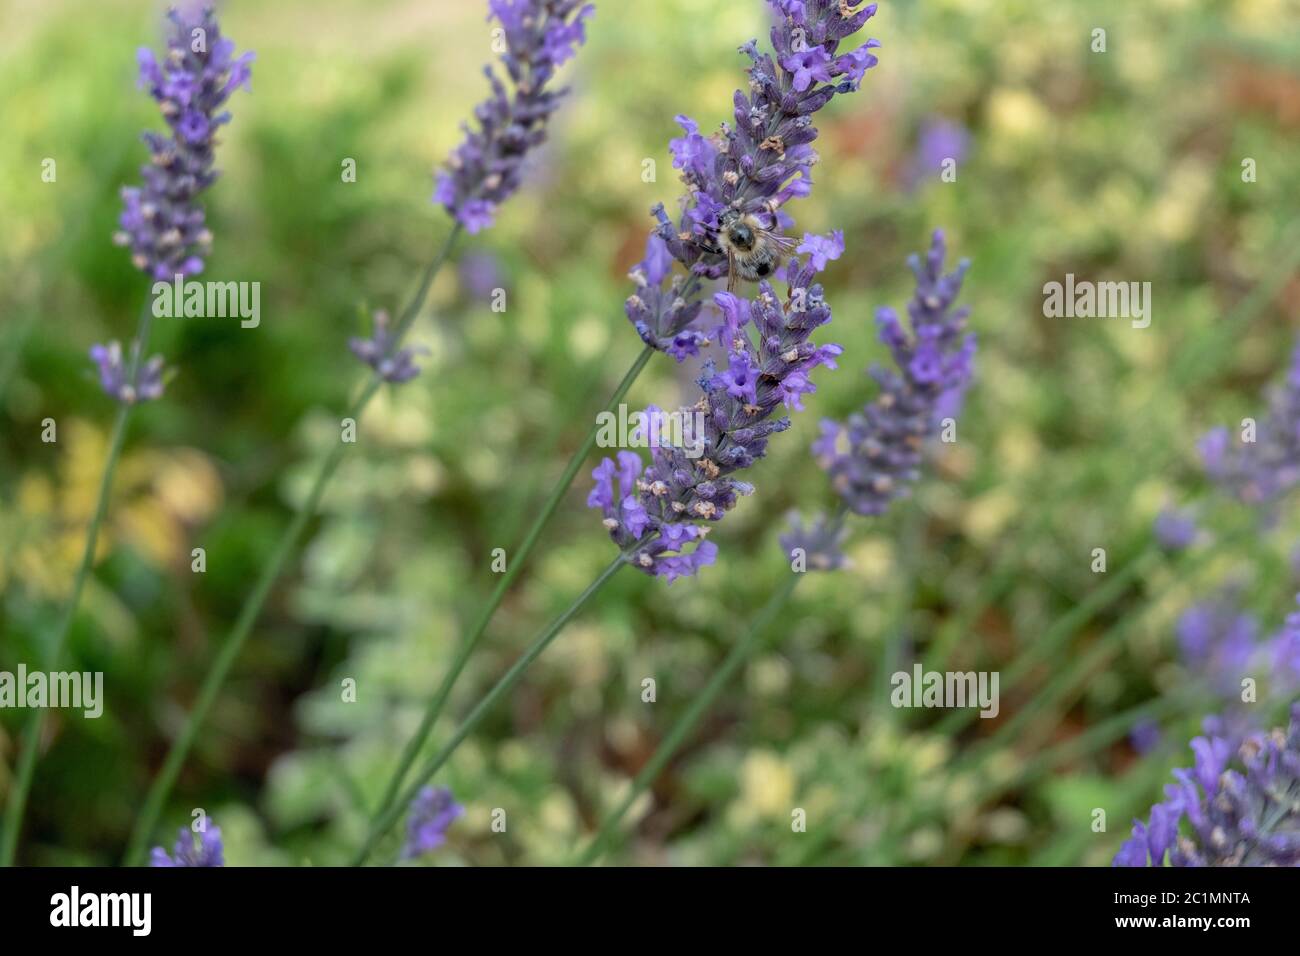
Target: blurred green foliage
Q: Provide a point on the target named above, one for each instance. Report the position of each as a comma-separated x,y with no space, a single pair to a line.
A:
1123,165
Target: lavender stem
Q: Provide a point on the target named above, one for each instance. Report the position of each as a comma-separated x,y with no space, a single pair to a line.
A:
35,723
740,653
212,682
499,689
514,567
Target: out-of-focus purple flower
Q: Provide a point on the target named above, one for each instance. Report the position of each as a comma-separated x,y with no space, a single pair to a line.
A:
1259,472
769,362
1235,817
208,851
481,274
1219,641
820,541
162,223
940,140
395,366
487,167
751,168
874,457
115,375
1175,530
1284,656
432,812
1145,736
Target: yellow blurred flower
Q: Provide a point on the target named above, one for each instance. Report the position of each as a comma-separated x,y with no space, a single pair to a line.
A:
157,496
766,786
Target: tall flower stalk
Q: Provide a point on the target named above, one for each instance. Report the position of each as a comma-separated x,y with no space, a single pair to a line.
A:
933,367
164,226
483,172
640,507
754,168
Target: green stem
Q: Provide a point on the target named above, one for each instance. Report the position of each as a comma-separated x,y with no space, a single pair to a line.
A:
515,566
35,724
390,816
216,676
686,723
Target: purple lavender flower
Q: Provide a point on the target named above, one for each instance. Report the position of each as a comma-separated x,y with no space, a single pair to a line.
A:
874,457
767,368
378,352
487,167
114,372
821,542
480,273
163,222
1219,641
1145,736
1247,817
939,140
1258,472
752,169
207,852
432,811
1174,530
1284,656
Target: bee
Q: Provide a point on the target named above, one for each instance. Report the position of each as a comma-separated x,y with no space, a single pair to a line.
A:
753,252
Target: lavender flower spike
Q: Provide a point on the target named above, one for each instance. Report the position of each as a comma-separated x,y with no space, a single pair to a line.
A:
1246,817
750,170
163,223
874,457
114,371
1257,472
820,543
208,852
766,369
432,812
395,366
487,167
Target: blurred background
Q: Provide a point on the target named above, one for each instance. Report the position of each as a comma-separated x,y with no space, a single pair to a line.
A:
1124,165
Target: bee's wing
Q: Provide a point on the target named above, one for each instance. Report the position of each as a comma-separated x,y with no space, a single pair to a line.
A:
784,244
731,271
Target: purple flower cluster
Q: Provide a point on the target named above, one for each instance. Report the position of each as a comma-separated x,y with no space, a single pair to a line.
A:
1246,817
752,168
939,140
820,542
1258,472
1175,530
1222,644
1219,641
769,361
207,852
163,223
392,365
487,167
114,373
432,812
874,457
